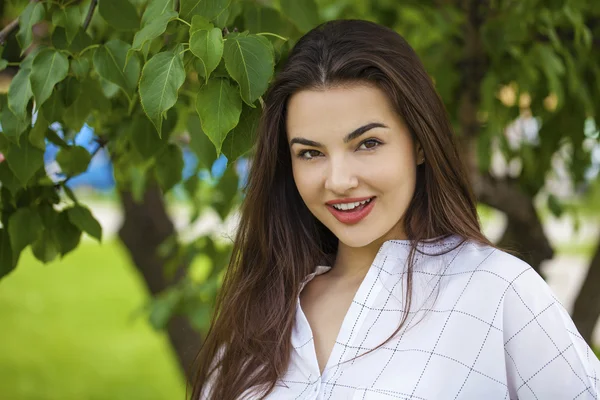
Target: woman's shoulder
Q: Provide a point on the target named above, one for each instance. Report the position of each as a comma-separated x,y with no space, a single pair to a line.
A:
484,274
544,352
483,259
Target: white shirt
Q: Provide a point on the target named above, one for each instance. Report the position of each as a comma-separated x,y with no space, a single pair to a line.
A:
483,325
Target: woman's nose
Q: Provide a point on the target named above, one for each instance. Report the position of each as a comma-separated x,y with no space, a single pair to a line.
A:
341,177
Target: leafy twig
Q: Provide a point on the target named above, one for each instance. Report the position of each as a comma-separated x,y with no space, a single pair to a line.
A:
271,34
90,14
184,21
90,47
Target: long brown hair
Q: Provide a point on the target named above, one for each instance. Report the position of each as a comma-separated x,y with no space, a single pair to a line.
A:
279,242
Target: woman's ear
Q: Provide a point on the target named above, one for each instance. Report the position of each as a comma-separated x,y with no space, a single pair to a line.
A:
420,153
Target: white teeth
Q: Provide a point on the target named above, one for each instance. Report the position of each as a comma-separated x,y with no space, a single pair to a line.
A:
350,206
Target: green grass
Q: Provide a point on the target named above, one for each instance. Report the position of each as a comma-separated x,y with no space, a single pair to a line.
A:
69,331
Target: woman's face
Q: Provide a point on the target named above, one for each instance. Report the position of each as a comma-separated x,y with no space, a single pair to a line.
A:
354,161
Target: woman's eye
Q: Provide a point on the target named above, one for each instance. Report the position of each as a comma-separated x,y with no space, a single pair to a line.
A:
308,154
369,144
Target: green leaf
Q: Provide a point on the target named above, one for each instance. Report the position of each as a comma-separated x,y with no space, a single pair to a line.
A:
33,13
162,76
258,18
77,114
37,135
4,144
155,9
49,67
83,219
53,108
80,67
13,126
71,90
81,40
249,60
210,9
73,160
484,150
119,14
8,179
303,13
555,206
223,17
152,30
200,23
207,45
241,139
111,64
25,159
219,107
55,139
70,194
19,93
144,138
226,190
163,307
28,61
3,64
48,214
66,234
169,167
23,227
109,89
69,18
7,262
45,248
200,143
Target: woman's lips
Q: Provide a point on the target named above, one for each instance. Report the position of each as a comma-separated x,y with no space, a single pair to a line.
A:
352,216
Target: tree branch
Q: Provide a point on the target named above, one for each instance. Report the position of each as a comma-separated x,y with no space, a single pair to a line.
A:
11,27
586,309
90,14
8,29
525,233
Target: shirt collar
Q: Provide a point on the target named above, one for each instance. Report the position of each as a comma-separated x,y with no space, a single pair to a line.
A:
400,249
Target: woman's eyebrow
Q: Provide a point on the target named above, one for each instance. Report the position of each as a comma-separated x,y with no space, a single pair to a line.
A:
348,138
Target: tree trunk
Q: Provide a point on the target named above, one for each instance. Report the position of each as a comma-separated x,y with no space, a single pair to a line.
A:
146,226
524,235
586,310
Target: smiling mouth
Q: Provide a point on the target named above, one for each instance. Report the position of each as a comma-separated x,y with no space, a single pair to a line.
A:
352,213
350,207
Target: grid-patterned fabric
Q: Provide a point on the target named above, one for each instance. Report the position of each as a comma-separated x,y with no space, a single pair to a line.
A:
482,325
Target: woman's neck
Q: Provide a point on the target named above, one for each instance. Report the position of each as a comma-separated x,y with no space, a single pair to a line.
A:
352,263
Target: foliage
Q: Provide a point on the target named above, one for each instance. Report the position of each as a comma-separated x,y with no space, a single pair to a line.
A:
152,78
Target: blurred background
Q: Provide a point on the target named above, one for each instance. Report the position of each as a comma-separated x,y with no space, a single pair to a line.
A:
121,318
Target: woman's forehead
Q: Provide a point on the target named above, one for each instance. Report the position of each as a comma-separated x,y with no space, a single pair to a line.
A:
337,109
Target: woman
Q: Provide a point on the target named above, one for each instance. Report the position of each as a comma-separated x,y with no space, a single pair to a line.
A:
359,269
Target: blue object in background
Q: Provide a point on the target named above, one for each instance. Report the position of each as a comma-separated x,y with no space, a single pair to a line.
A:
99,174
